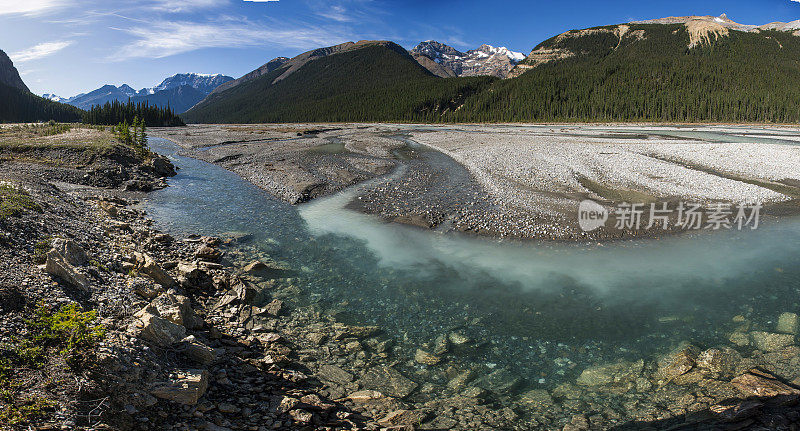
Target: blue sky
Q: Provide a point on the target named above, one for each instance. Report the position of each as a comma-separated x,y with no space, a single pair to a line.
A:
71,46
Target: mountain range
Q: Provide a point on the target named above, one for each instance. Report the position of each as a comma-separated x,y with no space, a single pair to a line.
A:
180,92
677,69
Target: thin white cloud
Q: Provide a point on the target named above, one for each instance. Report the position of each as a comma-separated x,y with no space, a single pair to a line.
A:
185,5
167,38
39,51
28,7
338,13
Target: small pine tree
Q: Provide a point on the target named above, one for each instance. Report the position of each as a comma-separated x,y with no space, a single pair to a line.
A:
143,135
135,126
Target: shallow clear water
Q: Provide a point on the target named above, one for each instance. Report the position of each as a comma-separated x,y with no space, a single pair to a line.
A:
544,310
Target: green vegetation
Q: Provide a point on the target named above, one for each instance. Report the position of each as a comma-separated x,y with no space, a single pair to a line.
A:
40,249
743,77
70,331
136,138
369,84
20,106
117,112
14,202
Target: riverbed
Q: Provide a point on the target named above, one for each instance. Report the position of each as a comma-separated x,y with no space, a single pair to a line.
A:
543,312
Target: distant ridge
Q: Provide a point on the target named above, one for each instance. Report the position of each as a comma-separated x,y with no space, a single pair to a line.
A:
180,92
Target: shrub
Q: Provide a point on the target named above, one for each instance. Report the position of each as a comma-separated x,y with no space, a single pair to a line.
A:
14,202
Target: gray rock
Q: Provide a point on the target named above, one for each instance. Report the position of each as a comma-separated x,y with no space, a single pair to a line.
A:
388,381
73,253
57,266
187,388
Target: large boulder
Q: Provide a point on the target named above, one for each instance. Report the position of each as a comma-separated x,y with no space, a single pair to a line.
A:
146,265
57,266
177,309
156,330
72,252
193,276
186,388
208,253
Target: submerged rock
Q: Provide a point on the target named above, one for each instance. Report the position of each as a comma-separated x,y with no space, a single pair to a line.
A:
460,381
723,361
425,358
499,381
762,384
788,323
539,400
771,342
388,381
614,374
332,373
677,363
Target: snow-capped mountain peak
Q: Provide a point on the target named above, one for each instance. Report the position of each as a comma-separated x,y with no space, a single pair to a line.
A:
203,82
486,60
54,97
